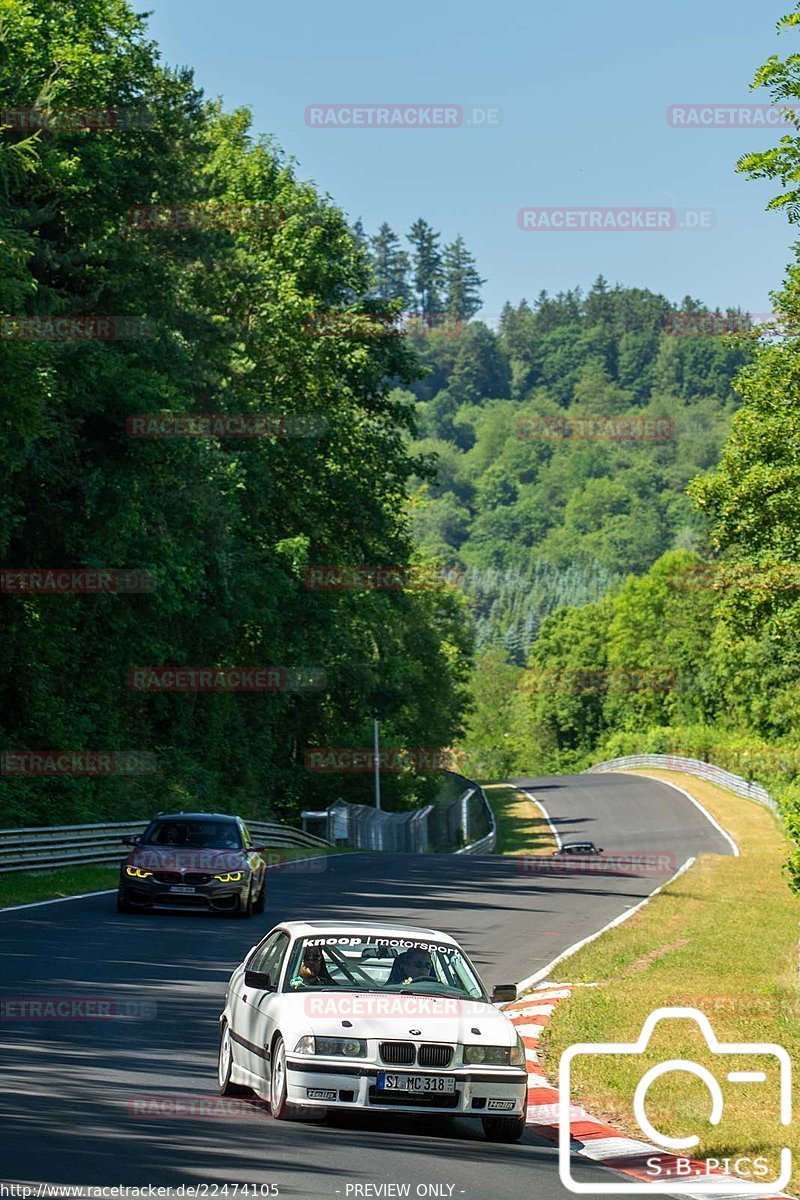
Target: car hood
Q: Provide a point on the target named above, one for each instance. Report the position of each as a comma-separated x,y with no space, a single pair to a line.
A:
392,1017
181,858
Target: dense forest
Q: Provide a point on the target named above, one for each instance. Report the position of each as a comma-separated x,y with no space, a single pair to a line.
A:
222,300
564,442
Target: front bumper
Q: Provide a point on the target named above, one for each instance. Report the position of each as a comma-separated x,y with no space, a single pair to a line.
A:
214,896
478,1092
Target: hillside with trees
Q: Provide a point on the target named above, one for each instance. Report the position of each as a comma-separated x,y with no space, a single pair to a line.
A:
564,442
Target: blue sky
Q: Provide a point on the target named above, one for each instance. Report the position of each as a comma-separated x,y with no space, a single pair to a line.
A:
582,90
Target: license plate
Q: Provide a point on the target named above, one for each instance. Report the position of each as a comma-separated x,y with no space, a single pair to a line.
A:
182,889
415,1083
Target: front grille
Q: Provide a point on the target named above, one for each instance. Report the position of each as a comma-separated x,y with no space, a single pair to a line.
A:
414,1100
398,1053
183,901
173,877
431,1054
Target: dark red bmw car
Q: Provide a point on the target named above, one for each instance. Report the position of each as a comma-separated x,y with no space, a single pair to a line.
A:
193,861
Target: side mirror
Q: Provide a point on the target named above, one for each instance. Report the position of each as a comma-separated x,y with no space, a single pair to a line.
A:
504,993
130,840
259,980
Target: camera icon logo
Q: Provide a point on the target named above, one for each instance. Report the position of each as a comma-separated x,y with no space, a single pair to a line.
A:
694,1184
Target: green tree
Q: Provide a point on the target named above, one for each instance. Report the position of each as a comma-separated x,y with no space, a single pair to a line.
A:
426,267
391,265
462,283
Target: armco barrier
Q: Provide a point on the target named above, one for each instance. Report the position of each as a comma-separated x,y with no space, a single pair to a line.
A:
52,846
484,845
692,766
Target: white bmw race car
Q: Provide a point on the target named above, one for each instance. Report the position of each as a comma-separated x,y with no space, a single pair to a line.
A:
383,1018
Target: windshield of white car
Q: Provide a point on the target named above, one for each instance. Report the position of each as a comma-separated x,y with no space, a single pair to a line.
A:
365,963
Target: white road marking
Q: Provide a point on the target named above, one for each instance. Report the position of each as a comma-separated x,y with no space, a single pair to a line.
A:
623,916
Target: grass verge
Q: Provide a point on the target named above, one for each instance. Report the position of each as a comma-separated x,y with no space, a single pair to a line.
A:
721,939
521,828
26,887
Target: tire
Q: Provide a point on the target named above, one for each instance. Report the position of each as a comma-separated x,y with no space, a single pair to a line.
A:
123,904
261,903
503,1129
245,908
225,1065
277,1082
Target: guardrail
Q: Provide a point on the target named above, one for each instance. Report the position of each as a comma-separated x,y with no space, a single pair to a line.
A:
484,845
692,766
53,846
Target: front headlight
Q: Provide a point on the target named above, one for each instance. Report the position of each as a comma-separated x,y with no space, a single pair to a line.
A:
495,1056
344,1047
137,872
518,1054
230,877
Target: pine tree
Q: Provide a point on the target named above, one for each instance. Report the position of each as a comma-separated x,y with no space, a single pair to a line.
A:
461,281
427,263
391,265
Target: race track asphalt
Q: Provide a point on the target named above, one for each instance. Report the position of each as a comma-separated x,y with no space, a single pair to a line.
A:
71,1102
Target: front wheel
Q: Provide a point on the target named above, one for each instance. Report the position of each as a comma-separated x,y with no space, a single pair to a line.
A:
261,903
277,1082
123,904
503,1129
245,908
225,1064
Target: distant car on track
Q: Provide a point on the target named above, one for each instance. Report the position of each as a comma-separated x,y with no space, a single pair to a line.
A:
193,861
383,1018
578,848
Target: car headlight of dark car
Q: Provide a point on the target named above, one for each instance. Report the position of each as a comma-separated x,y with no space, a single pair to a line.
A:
230,876
137,872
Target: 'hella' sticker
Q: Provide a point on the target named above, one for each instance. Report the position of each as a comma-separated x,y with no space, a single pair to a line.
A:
320,1094
503,1104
